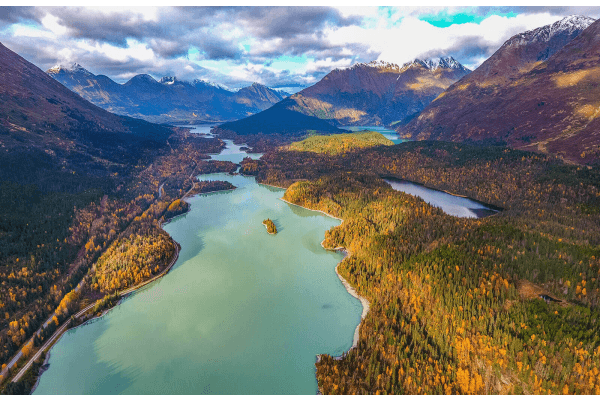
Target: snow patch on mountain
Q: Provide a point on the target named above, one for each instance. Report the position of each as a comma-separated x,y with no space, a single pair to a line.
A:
567,26
431,64
73,68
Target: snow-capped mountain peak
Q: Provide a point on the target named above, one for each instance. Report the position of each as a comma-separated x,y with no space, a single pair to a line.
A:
203,82
431,64
435,63
567,26
73,68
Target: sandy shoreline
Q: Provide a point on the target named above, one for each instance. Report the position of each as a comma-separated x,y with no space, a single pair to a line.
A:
365,303
310,209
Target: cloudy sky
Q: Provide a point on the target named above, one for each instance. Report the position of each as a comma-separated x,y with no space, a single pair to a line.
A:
276,46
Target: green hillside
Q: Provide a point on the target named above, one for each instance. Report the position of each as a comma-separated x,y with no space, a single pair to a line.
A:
336,144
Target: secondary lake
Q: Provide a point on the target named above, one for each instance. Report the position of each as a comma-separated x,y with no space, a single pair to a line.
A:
454,205
241,312
388,133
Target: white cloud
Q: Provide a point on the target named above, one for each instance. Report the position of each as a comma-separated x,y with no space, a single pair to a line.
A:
134,50
146,13
29,31
413,37
50,22
100,38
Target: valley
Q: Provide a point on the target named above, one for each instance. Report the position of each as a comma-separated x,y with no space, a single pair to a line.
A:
422,226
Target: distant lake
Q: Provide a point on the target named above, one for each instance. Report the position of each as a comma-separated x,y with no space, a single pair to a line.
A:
454,205
388,133
242,311
202,129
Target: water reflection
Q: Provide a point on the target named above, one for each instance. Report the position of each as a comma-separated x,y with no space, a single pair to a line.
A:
457,206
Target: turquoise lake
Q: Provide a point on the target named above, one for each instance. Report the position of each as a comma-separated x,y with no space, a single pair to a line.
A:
241,312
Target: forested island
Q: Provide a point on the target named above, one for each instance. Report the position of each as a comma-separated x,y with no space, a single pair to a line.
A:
211,186
270,225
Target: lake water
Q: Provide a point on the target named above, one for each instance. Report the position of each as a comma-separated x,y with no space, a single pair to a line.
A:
241,312
388,133
454,205
202,130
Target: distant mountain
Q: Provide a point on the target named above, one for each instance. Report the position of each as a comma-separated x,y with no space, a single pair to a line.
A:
169,99
377,92
46,127
279,120
539,91
259,96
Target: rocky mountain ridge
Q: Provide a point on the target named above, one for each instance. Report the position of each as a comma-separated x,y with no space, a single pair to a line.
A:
376,93
168,99
538,94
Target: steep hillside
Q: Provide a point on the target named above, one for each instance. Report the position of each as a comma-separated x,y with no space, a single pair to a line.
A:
538,92
46,127
279,120
377,93
342,143
168,100
259,96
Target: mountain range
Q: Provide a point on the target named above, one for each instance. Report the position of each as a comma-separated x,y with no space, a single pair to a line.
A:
539,91
168,100
374,93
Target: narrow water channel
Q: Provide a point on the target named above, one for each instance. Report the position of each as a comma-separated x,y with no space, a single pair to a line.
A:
242,311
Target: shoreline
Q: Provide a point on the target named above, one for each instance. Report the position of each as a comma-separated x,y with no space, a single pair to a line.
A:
365,303
366,306
310,209
196,194
352,291
492,207
122,296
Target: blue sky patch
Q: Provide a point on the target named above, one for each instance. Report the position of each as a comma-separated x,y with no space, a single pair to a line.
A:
444,20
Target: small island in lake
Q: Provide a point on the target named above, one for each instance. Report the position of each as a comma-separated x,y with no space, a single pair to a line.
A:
211,186
270,225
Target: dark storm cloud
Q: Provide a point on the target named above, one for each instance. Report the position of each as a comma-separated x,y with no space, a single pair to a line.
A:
184,23
287,22
113,28
16,14
177,29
